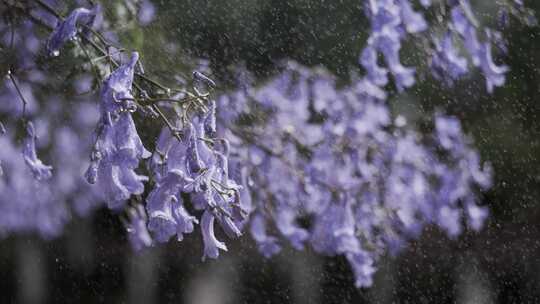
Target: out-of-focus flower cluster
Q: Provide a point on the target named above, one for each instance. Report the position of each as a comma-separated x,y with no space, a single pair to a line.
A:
331,168
294,160
392,21
38,195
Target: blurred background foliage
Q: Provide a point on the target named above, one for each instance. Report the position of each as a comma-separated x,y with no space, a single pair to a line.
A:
92,262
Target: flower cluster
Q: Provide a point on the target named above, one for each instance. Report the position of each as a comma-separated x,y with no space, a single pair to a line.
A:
390,20
465,25
393,20
320,165
39,170
333,170
118,148
66,30
39,194
194,169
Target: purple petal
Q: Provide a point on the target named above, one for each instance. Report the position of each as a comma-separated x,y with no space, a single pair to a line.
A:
211,244
67,29
39,170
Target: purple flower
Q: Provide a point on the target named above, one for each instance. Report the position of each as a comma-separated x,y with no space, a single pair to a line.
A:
67,29
334,231
136,228
387,18
286,223
450,220
375,73
448,131
425,3
227,224
159,160
414,22
39,170
193,166
403,76
363,268
118,183
147,12
446,60
211,244
195,163
268,245
166,211
495,75
26,204
367,185
115,94
476,215
210,120
324,166
121,149
118,147
463,26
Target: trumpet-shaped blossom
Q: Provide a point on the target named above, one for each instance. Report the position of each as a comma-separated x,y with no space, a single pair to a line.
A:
391,20
321,166
195,165
414,22
118,147
494,74
211,244
29,204
115,95
268,245
138,234
446,62
363,186
39,170
67,29
147,12
167,215
465,24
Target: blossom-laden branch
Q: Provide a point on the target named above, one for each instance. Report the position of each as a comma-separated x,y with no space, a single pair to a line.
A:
320,166
200,169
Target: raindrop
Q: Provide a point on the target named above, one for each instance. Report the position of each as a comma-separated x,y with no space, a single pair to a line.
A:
131,108
96,155
148,111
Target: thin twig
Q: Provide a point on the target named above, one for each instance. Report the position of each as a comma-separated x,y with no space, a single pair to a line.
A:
96,71
49,9
25,103
112,62
173,130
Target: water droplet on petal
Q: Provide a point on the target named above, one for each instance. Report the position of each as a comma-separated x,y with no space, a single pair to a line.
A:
132,108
